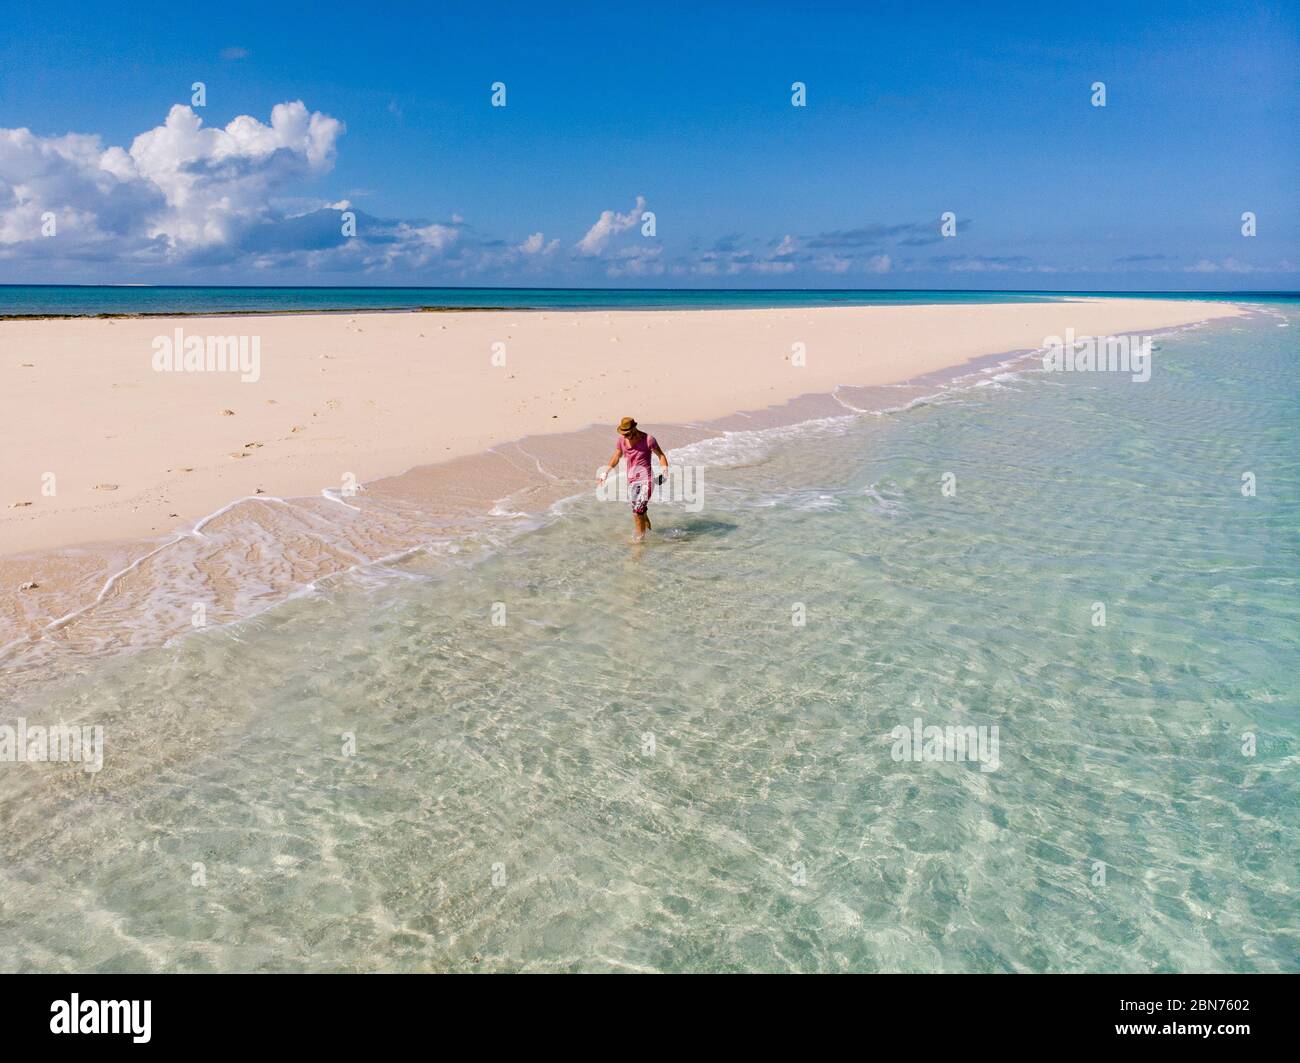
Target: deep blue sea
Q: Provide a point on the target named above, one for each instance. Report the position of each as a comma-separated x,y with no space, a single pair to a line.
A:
80,300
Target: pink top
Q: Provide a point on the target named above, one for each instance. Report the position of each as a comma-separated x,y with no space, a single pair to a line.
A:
638,456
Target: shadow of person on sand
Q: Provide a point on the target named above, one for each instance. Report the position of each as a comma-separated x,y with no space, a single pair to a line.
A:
698,528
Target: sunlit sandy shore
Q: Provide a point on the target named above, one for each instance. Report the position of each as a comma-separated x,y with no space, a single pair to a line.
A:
234,486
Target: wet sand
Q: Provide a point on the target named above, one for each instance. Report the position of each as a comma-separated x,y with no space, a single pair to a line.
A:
188,496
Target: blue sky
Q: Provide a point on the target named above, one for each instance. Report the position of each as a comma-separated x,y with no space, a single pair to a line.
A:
682,110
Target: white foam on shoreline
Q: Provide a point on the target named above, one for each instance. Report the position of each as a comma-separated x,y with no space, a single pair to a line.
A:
733,449
501,523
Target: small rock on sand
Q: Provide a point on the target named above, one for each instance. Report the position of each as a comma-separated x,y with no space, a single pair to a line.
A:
19,505
30,585
227,413
105,487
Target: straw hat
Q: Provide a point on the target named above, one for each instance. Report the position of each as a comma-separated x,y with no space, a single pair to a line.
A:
626,426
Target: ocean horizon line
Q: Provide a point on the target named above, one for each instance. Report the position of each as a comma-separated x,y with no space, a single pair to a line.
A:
648,288
55,301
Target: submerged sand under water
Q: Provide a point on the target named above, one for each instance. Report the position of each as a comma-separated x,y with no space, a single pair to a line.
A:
136,502
649,765
259,551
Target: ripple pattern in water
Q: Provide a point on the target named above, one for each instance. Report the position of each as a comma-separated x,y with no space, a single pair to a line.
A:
650,766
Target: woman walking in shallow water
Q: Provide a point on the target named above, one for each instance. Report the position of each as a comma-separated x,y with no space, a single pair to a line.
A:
637,447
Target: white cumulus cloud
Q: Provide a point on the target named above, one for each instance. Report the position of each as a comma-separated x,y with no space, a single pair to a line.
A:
607,226
182,187
536,245
214,180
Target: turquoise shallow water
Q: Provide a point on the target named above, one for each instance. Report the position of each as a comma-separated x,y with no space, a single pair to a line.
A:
38,299
650,766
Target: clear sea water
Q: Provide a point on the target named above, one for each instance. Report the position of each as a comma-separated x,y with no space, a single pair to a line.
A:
78,300
650,766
